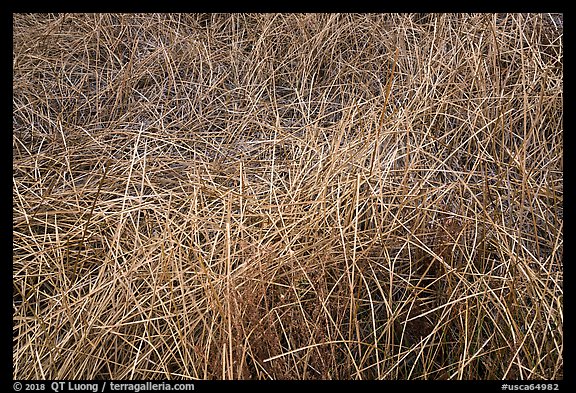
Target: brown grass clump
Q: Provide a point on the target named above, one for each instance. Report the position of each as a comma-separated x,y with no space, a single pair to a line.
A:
287,196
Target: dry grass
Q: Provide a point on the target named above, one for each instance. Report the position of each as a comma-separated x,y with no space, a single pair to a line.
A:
288,196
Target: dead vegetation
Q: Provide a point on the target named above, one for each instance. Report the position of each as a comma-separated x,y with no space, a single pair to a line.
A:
287,196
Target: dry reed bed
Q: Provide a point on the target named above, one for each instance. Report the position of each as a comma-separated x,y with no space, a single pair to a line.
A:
287,196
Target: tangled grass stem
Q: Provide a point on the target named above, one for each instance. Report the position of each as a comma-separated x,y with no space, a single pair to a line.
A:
316,196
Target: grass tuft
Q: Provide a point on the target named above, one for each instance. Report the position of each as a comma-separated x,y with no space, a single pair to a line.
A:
279,196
